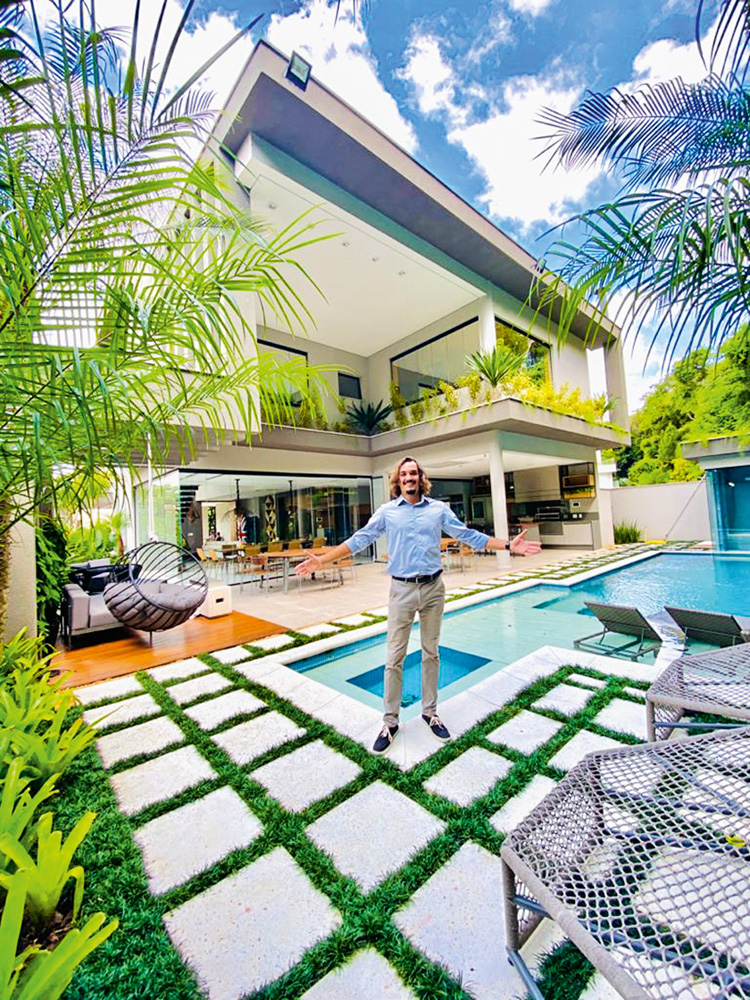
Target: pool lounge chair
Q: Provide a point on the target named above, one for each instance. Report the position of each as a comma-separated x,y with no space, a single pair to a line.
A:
619,619
712,627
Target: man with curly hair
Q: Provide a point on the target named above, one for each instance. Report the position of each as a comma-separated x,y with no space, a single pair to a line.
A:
413,524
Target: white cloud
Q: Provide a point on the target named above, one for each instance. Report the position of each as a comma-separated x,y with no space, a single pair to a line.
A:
341,60
666,59
531,7
499,32
433,78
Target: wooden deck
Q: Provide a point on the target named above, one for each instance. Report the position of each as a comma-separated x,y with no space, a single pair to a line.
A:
128,651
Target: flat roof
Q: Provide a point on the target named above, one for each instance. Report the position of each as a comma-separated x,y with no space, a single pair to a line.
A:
319,130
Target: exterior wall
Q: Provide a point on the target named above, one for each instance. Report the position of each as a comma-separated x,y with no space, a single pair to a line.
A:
672,511
22,583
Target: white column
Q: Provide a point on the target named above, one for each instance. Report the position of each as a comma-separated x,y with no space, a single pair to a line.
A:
497,488
487,336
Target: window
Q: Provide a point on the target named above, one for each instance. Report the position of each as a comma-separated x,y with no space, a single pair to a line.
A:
284,354
349,386
442,358
537,359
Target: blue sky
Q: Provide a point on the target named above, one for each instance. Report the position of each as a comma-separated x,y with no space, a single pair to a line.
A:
459,84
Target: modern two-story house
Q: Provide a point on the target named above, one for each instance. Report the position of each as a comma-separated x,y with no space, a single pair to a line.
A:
414,281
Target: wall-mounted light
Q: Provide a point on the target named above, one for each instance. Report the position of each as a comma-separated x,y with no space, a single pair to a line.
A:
298,71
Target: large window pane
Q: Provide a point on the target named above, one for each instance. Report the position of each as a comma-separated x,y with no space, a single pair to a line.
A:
443,358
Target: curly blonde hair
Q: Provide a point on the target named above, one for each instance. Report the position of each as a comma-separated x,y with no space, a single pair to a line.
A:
424,483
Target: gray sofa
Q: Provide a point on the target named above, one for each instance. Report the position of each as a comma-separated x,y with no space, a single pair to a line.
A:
83,607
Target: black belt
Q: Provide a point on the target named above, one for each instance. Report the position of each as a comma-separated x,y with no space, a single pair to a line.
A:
418,579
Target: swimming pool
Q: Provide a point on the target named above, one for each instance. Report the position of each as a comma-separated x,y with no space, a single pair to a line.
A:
478,641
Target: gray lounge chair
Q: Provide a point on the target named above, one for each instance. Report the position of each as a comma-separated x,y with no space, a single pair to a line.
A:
619,619
712,627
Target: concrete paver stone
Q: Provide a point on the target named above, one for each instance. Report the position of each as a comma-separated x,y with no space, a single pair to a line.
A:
520,805
469,776
565,698
624,717
366,976
209,714
188,691
582,679
107,716
148,737
353,620
159,779
466,931
107,690
244,932
272,641
306,775
525,732
373,833
311,630
231,655
576,749
253,738
190,839
178,670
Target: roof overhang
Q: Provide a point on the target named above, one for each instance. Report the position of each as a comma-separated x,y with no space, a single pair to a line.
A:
321,132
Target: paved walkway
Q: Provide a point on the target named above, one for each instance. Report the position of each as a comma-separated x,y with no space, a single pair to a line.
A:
230,752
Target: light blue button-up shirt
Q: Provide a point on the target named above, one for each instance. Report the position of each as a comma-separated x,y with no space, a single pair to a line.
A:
412,534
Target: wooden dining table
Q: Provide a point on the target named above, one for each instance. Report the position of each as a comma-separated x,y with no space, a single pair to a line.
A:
287,557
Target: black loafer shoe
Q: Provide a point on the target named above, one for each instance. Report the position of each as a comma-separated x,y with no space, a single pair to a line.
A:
384,740
437,728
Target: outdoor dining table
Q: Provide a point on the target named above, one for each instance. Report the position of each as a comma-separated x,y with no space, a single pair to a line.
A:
642,857
289,557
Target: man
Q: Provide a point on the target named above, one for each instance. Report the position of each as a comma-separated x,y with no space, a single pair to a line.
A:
413,524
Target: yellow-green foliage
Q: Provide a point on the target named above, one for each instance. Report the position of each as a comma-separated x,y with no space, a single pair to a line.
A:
473,382
565,400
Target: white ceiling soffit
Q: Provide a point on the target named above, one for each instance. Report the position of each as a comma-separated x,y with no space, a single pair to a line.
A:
470,466
375,290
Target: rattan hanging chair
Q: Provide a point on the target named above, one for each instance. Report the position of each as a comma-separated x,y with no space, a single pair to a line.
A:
155,587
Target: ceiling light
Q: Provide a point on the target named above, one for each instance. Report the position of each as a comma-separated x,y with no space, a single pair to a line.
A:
375,260
345,243
298,71
401,273
273,206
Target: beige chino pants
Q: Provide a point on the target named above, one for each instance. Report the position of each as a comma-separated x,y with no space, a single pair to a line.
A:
404,602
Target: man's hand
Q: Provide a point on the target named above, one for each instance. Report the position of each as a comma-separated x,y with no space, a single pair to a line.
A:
310,565
520,547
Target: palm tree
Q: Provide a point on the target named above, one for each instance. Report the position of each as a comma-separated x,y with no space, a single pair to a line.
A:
125,270
675,244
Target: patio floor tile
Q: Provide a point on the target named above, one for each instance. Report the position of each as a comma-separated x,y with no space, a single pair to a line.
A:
107,690
520,805
367,976
107,716
159,779
592,682
565,698
311,695
576,749
209,714
352,718
148,737
525,731
624,717
303,776
243,932
253,738
178,670
190,690
388,829
189,840
282,680
467,930
469,776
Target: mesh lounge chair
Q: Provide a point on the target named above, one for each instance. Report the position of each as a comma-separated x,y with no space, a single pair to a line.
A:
618,619
712,627
717,682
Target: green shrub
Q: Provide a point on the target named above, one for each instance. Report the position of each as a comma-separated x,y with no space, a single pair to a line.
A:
627,533
100,540
498,364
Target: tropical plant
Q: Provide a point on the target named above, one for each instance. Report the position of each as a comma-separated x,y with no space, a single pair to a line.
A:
368,418
101,539
673,247
17,803
497,365
33,973
627,533
122,265
51,575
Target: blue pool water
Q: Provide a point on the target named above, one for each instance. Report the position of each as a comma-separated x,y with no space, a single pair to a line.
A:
478,641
